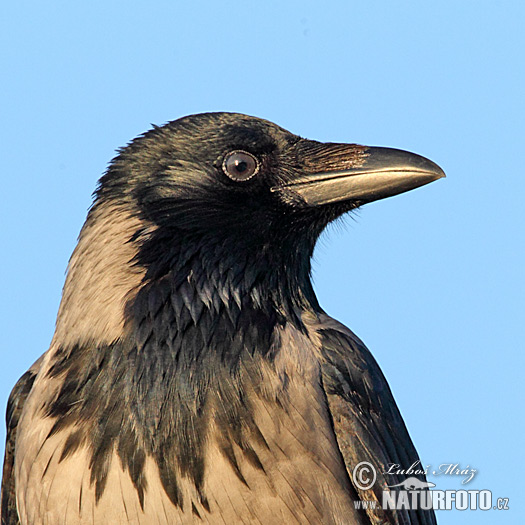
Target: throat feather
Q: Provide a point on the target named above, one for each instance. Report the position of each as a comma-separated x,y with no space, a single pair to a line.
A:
187,362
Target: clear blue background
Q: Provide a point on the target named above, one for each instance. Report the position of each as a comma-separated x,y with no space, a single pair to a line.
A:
432,280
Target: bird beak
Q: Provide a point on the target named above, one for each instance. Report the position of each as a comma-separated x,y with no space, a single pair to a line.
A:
361,174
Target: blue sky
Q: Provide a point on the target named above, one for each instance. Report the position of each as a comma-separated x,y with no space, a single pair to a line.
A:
431,280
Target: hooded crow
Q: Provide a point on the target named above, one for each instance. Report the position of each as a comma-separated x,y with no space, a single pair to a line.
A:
193,376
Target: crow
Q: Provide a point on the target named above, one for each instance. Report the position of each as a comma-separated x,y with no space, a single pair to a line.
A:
192,376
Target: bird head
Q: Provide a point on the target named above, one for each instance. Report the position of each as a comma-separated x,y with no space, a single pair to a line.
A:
233,199
248,187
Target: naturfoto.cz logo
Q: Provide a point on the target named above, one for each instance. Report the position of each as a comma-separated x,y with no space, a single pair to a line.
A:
414,493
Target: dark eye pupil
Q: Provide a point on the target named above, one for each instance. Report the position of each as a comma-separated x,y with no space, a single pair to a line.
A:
240,165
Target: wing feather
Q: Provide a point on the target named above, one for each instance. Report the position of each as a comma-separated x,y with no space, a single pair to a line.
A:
366,420
15,406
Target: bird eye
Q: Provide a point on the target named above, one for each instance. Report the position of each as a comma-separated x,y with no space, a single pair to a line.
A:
240,166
